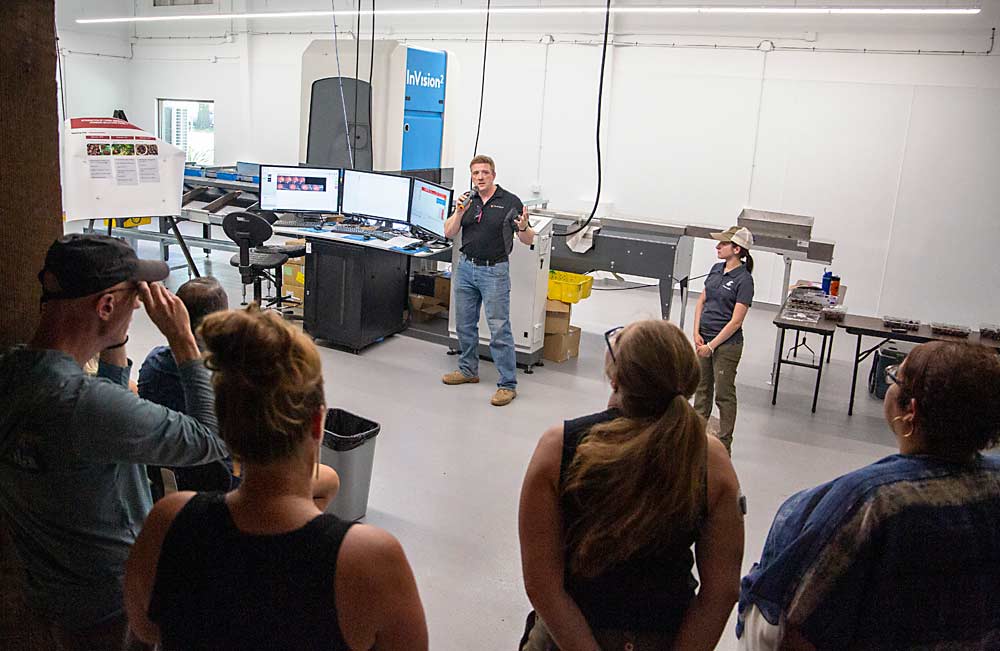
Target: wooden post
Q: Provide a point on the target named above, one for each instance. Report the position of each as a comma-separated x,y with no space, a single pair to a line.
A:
30,218
30,195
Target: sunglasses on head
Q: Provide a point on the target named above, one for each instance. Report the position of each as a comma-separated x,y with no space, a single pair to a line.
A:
608,336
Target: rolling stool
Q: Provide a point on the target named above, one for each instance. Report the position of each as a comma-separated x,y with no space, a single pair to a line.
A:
292,251
279,300
249,231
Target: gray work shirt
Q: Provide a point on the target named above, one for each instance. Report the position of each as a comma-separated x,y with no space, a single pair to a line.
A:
73,487
723,290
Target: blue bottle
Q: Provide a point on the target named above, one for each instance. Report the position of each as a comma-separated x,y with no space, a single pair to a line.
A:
827,277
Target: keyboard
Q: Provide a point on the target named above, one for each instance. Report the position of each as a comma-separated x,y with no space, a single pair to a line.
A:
348,229
298,223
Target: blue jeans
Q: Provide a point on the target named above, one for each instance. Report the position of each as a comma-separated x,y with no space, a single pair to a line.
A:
477,286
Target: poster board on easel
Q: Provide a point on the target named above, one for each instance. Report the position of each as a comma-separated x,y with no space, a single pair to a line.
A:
112,168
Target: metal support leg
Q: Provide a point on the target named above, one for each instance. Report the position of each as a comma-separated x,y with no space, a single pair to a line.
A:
854,377
795,349
779,338
684,304
819,372
666,296
829,350
184,249
777,369
258,292
164,227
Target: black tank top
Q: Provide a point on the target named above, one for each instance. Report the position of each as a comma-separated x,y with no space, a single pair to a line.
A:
651,590
219,588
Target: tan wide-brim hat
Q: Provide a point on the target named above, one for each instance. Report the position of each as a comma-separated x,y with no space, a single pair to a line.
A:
738,235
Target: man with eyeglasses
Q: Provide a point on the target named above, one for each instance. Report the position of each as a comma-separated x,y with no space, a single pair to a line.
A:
488,217
73,487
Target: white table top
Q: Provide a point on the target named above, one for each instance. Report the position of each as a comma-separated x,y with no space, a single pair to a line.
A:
347,238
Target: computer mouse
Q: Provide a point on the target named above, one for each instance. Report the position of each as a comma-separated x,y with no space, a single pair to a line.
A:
366,237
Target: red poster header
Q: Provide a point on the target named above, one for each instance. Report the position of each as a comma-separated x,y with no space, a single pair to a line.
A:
100,123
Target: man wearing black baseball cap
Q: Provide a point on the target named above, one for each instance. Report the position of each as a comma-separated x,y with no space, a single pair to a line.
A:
72,446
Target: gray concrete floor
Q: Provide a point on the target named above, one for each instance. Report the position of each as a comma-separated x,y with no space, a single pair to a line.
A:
448,465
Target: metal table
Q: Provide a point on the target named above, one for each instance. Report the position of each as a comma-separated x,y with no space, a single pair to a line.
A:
825,329
867,326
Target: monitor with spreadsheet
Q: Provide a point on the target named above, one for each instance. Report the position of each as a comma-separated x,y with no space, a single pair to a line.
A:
430,206
299,189
375,195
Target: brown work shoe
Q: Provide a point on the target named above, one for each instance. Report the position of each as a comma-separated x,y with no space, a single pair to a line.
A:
503,397
458,377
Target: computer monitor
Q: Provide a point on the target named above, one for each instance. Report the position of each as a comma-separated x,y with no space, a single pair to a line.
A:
430,206
299,189
375,195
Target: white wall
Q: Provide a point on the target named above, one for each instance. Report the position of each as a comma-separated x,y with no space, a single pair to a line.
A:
94,59
892,154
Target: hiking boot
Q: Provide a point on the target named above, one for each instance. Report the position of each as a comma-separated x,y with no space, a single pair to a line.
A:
503,397
458,377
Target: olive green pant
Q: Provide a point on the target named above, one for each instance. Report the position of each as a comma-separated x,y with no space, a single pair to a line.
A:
718,380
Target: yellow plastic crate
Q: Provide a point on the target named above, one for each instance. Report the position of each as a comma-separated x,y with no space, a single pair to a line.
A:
569,287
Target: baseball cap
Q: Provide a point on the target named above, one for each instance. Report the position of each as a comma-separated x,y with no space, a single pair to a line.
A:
81,264
738,235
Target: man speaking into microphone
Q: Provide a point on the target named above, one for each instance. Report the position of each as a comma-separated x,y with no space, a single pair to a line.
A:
488,217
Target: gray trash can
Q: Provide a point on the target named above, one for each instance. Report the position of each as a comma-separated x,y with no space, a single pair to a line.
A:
349,443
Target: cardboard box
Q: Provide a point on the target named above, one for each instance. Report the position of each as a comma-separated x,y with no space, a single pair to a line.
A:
442,288
301,260
559,348
293,275
296,291
557,316
425,308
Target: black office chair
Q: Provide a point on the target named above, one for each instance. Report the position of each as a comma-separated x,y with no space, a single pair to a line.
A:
250,231
292,251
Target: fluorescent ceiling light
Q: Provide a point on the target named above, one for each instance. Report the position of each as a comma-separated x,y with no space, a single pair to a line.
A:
529,11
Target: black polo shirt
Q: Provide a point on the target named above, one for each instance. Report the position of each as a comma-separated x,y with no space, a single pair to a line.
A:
488,230
723,290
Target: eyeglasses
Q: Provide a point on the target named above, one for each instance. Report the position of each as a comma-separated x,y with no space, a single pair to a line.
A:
891,376
608,336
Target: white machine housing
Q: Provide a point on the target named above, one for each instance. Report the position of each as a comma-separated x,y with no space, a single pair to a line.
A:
529,284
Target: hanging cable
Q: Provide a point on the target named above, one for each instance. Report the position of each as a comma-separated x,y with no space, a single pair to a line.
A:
600,100
371,69
482,85
357,68
340,82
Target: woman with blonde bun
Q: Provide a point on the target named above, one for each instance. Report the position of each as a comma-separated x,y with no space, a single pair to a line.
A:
262,567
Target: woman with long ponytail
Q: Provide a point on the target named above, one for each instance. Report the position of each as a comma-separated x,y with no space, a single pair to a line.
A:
718,327
612,503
